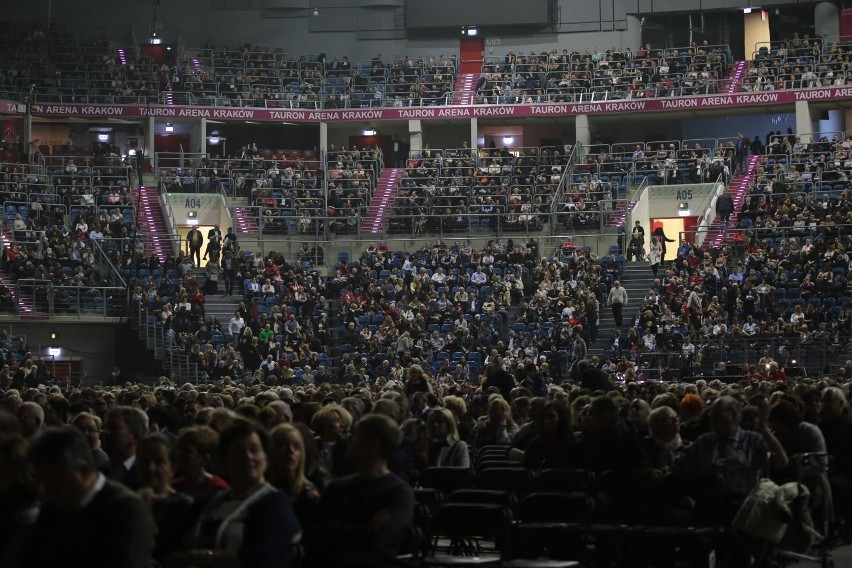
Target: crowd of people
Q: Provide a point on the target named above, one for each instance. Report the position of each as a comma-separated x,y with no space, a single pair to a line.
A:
250,75
504,189
56,253
799,62
236,474
606,74
60,66
286,187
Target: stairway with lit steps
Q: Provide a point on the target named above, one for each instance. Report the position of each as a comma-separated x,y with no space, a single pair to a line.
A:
465,88
152,223
382,203
733,83
738,189
245,220
23,302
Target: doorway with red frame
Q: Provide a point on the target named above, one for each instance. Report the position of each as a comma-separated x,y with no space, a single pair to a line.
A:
470,53
369,142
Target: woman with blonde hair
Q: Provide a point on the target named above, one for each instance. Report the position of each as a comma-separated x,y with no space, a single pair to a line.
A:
287,458
416,381
464,422
498,427
331,425
445,448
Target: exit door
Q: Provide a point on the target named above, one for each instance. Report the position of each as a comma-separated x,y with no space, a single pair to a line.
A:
470,52
674,228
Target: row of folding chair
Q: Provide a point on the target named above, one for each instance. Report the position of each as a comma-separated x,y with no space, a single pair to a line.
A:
620,518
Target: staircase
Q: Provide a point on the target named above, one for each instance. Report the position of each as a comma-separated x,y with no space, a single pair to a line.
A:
383,198
24,303
223,307
623,208
637,278
738,188
733,83
620,213
244,220
152,223
465,88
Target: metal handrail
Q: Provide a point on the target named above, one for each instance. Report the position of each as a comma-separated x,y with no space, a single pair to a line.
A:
45,298
567,175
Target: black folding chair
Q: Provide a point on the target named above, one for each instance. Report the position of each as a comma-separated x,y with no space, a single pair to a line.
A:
564,480
515,479
446,479
552,525
466,534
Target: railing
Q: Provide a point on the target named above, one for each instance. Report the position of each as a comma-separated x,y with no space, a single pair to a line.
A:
708,86
326,253
105,265
567,175
707,211
43,298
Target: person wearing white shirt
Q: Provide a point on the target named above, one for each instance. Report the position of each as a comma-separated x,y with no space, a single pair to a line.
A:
650,341
479,278
749,327
439,277
235,326
408,266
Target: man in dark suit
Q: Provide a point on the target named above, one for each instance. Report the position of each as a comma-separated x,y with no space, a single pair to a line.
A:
86,520
123,427
194,240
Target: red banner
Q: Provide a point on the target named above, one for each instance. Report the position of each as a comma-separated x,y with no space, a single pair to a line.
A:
445,112
12,107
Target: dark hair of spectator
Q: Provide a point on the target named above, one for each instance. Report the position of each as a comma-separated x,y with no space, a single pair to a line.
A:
238,430
382,429
63,448
787,414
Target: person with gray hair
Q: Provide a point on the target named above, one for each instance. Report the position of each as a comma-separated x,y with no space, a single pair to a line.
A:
123,427
31,417
91,521
739,455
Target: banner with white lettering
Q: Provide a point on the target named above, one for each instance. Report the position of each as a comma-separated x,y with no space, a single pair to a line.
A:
12,107
450,112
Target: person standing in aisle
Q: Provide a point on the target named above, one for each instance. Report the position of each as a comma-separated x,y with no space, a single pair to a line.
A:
724,207
194,240
655,255
592,317
229,271
617,300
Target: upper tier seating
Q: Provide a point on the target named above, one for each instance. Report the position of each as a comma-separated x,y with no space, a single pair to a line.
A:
798,63
447,189
602,75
